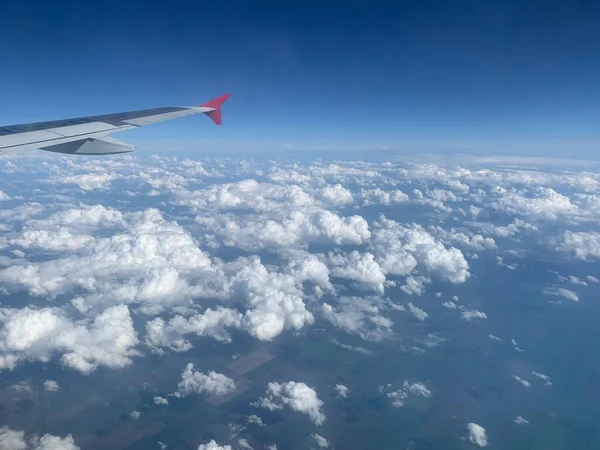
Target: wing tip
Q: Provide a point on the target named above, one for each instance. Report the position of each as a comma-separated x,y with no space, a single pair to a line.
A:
216,103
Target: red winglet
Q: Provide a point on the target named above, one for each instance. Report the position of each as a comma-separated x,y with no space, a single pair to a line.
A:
216,103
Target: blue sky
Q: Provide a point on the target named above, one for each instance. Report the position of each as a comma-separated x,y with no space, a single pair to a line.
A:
493,76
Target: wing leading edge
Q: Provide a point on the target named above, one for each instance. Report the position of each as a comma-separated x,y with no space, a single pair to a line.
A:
89,135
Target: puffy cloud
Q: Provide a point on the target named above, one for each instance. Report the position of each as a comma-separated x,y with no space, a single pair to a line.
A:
540,203
194,382
525,383
295,395
320,440
399,250
360,315
415,285
342,391
336,195
160,400
477,434
562,292
256,420
546,378
35,334
399,396
584,245
381,197
295,228
212,445
4,196
15,440
11,439
135,415
417,389
495,338
521,421
51,386
243,444
472,314
359,267
213,323
152,261
417,312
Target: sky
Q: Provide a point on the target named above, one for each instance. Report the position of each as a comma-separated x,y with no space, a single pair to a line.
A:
512,77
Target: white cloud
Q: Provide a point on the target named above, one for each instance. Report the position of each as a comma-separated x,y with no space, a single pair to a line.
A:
11,439
135,415
417,312
336,195
472,314
212,445
342,391
160,400
477,434
360,315
399,250
194,382
35,334
417,389
583,245
297,396
320,440
546,378
243,444
399,396
15,440
495,338
525,383
562,292
359,267
521,421
51,386
256,420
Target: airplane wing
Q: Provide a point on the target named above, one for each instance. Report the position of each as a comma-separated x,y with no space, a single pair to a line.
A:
89,135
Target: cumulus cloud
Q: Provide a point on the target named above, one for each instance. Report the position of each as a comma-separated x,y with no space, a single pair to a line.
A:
212,445
524,382
359,267
320,440
562,292
417,312
295,395
399,396
521,421
36,334
400,249
51,386
15,440
547,380
194,382
255,420
342,391
360,315
160,400
472,314
295,228
477,434
582,245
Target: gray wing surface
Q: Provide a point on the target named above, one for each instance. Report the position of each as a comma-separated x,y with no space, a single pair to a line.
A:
89,135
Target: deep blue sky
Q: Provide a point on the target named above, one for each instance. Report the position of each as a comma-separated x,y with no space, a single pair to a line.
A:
487,75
